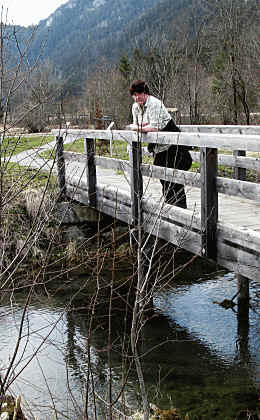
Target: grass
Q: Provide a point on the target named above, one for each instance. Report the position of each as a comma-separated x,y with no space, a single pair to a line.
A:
102,148
14,145
19,176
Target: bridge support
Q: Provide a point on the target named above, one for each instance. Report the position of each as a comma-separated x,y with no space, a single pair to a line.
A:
61,168
136,182
89,146
209,202
243,317
243,288
239,173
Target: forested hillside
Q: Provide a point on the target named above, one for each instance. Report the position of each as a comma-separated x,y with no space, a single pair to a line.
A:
199,56
82,32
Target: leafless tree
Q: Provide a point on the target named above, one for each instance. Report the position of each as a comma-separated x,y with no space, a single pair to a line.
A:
106,89
233,56
24,211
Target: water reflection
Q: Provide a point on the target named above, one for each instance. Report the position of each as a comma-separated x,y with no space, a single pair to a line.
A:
194,353
224,332
193,350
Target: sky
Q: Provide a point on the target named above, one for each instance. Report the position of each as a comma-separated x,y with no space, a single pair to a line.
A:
28,12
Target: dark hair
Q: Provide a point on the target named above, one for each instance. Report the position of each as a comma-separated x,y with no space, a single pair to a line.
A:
138,86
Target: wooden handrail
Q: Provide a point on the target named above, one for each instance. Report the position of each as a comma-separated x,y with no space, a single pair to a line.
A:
249,142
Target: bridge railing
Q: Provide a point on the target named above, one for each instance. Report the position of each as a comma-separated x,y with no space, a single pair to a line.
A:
238,161
207,139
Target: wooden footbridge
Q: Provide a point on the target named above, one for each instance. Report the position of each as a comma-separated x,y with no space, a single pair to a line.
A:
222,221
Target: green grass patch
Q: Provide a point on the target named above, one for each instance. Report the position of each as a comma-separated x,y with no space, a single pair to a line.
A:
102,149
48,154
20,177
119,149
14,145
195,165
76,146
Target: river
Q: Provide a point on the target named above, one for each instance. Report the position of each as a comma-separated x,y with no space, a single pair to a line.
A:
195,358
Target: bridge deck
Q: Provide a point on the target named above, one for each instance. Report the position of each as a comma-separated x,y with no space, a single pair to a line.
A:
238,234
236,211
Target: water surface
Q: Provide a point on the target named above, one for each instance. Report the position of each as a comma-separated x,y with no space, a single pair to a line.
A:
194,353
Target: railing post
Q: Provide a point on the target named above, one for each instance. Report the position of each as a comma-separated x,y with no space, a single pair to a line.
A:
239,173
61,167
136,182
89,146
209,201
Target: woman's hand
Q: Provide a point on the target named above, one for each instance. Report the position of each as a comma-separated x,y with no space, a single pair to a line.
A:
143,128
136,127
147,129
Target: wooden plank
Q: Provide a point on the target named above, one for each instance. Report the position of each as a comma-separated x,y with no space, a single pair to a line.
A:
89,146
209,202
243,189
115,209
110,163
178,226
231,187
104,162
239,250
172,214
209,140
107,191
222,129
75,157
233,161
177,235
109,135
238,261
243,237
172,175
111,207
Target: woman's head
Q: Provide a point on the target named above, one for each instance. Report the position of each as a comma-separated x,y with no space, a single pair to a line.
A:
139,86
139,91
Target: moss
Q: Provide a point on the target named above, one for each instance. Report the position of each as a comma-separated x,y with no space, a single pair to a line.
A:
219,403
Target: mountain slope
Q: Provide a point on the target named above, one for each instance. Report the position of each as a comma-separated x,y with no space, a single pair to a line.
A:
80,32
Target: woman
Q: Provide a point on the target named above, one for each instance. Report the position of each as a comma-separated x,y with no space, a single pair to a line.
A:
150,115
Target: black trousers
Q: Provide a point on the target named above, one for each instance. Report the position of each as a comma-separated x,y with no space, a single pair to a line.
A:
177,157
